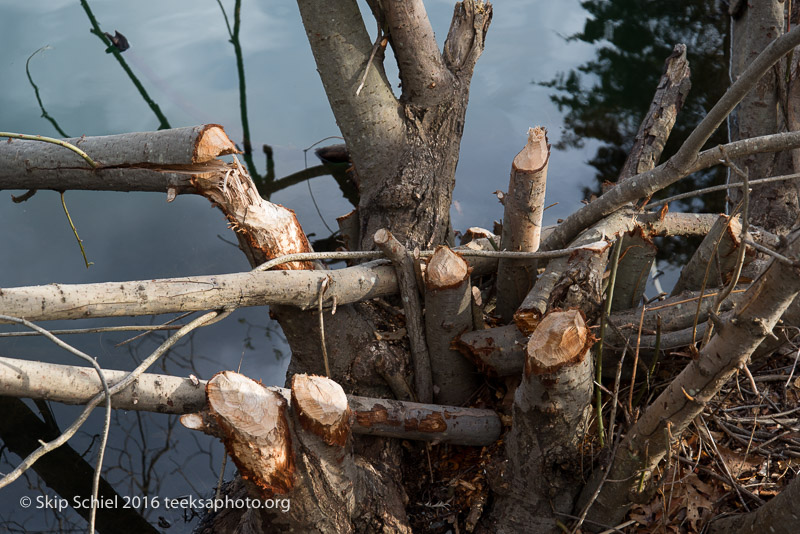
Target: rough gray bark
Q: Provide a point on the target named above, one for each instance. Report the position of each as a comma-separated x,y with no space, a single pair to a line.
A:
761,112
404,150
541,475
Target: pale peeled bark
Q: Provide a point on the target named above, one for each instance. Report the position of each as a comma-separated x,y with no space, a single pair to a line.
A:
522,221
448,313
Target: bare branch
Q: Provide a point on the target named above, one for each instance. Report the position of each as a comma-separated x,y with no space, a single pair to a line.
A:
179,395
687,159
422,72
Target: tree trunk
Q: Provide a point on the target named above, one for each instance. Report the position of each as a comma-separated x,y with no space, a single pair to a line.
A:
404,150
763,110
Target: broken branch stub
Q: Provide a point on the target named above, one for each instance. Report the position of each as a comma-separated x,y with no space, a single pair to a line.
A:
551,411
321,407
448,313
522,221
255,430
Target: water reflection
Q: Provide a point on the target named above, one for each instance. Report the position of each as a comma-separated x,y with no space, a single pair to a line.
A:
607,97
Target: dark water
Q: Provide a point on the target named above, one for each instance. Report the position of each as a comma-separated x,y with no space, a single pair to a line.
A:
179,50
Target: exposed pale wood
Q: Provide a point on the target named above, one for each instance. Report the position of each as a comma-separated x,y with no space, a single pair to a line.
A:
70,384
404,266
575,280
265,230
561,339
522,221
321,407
478,320
255,430
448,313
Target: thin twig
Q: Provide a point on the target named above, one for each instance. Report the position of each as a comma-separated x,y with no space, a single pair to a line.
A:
777,255
75,232
45,115
119,386
323,285
599,360
164,326
723,187
378,44
635,364
371,255
615,398
106,424
98,330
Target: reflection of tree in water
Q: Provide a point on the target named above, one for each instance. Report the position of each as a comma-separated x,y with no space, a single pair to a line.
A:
607,98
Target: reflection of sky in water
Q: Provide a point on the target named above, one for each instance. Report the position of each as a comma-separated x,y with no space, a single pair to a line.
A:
180,51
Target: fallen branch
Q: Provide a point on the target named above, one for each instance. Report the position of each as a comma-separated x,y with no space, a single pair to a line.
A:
180,395
163,161
410,296
196,293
